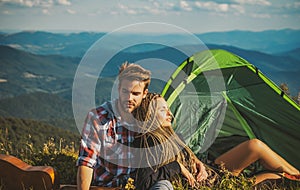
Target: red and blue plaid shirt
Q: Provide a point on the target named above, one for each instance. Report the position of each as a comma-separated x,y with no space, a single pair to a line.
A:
105,147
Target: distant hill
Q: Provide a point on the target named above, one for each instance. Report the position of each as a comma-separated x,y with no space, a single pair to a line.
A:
46,43
293,53
22,72
20,132
76,44
43,107
38,106
22,61
269,41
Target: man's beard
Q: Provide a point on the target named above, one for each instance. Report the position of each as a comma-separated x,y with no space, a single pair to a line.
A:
127,107
126,111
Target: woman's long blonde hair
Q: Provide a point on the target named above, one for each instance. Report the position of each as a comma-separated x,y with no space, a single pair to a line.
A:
161,144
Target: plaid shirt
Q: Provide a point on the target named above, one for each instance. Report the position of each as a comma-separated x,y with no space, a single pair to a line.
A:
105,147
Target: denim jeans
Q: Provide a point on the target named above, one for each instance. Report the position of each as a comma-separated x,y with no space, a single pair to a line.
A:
162,185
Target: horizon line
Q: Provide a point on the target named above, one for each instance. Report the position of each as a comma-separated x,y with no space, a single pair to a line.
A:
66,31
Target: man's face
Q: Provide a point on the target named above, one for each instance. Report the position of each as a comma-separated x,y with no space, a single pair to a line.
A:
131,94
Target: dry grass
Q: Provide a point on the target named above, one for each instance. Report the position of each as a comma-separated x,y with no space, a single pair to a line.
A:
63,159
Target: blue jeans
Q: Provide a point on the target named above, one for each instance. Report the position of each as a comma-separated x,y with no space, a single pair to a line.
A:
162,185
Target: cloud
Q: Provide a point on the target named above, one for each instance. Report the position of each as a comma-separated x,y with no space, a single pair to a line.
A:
63,2
35,3
144,9
261,15
297,4
6,12
210,5
254,2
70,11
46,11
127,10
196,5
153,10
293,5
160,7
185,6
29,3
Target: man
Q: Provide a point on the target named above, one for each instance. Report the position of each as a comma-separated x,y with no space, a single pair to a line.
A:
106,129
106,136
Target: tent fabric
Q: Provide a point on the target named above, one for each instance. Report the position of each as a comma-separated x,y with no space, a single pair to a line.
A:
215,95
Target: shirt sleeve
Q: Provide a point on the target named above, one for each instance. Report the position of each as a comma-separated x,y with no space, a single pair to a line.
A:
145,178
90,143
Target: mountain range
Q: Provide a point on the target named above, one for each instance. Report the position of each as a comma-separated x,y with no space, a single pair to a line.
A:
76,44
37,69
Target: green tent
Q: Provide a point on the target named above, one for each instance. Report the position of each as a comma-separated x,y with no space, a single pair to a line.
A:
218,97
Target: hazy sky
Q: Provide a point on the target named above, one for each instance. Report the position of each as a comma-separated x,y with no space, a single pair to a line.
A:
106,15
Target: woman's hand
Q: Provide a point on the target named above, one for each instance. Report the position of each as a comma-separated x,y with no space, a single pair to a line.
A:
200,169
188,175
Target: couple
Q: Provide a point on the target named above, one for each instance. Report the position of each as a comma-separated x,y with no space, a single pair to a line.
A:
102,158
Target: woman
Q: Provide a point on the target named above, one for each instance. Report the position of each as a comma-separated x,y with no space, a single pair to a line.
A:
162,147
164,155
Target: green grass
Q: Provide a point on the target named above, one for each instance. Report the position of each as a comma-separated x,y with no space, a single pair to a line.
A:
63,159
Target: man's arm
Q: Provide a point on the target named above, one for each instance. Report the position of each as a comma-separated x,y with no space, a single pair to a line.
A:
84,177
88,152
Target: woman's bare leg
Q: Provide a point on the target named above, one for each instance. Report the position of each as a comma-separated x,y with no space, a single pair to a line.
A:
263,176
241,156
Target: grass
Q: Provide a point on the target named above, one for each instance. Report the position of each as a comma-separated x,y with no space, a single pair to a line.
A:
63,159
